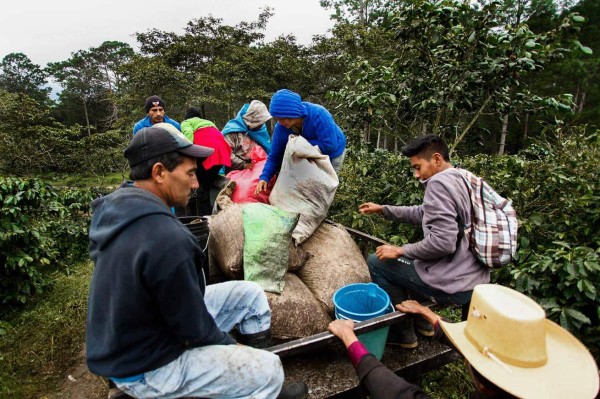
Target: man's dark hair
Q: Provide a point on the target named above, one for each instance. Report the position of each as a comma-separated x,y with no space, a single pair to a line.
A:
143,170
425,146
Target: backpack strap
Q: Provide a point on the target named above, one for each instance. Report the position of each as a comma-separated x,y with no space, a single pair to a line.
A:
459,220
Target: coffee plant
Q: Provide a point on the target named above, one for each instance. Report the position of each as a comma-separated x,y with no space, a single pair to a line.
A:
42,229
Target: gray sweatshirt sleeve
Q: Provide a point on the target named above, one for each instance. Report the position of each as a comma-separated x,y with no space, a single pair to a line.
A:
404,214
440,225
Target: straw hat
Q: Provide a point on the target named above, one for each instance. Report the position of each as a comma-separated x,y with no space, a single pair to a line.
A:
509,341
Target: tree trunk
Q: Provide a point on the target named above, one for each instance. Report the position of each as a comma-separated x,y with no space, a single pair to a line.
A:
87,118
378,138
503,135
581,102
396,145
526,131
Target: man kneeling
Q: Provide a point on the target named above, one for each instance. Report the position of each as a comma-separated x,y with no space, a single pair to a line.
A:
154,328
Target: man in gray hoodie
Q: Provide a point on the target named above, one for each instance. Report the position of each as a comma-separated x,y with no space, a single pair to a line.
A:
154,327
441,267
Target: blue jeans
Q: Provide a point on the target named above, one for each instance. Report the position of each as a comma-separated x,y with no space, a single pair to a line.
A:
220,371
337,162
398,278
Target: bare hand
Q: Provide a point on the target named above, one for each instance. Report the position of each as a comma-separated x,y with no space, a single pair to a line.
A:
261,186
384,252
369,207
249,165
414,307
344,330
411,306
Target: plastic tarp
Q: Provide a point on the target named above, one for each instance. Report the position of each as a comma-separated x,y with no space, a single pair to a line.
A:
267,232
247,179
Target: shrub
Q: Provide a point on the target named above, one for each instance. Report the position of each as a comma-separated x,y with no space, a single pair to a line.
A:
41,229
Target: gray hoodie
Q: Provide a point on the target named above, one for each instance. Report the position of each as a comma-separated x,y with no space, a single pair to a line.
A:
446,200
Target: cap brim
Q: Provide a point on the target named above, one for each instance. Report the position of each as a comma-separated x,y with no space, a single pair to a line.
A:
196,151
570,372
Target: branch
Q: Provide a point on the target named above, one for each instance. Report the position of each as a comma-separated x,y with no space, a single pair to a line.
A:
470,125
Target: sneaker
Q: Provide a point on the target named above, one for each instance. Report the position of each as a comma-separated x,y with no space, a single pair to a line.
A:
403,335
293,390
423,327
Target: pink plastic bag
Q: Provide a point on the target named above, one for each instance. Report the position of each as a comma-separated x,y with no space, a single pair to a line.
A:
247,179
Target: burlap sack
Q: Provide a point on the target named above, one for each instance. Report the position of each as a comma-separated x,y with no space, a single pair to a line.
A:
226,241
335,261
295,313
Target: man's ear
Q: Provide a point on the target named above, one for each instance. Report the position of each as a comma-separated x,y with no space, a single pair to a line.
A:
158,172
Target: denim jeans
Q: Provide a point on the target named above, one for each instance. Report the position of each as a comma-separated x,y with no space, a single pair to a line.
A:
220,371
399,278
337,162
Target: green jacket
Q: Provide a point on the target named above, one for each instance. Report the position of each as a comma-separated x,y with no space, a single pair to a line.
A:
189,126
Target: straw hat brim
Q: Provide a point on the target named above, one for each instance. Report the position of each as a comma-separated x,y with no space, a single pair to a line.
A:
570,371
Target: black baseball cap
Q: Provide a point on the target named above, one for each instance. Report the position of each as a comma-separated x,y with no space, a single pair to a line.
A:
153,141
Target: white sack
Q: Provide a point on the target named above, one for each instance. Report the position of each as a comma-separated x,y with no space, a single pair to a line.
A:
306,185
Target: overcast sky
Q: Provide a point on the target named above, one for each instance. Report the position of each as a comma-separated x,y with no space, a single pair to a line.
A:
49,31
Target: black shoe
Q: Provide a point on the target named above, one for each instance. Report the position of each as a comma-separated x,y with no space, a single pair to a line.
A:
259,340
293,390
423,327
403,334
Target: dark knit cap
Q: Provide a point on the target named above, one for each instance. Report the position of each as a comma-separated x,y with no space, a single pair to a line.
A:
287,104
192,112
154,101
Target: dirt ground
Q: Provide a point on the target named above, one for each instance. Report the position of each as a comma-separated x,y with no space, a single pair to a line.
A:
79,383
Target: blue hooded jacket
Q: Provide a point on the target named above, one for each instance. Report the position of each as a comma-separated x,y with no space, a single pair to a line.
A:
146,304
237,125
318,128
142,123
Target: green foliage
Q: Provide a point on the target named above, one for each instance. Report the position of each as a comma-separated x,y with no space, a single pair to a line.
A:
41,229
453,62
380,177
32,142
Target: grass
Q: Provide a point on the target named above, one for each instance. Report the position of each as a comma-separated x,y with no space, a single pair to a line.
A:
451,381
43,338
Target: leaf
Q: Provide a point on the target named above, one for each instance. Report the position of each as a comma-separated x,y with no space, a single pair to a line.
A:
530,44
578,18
577,315
471,37
586,50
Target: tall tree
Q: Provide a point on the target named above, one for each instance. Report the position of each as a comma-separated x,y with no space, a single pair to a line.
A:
19,75
366,13
92,77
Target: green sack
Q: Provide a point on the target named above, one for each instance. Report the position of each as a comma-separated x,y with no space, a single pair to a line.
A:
267,237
